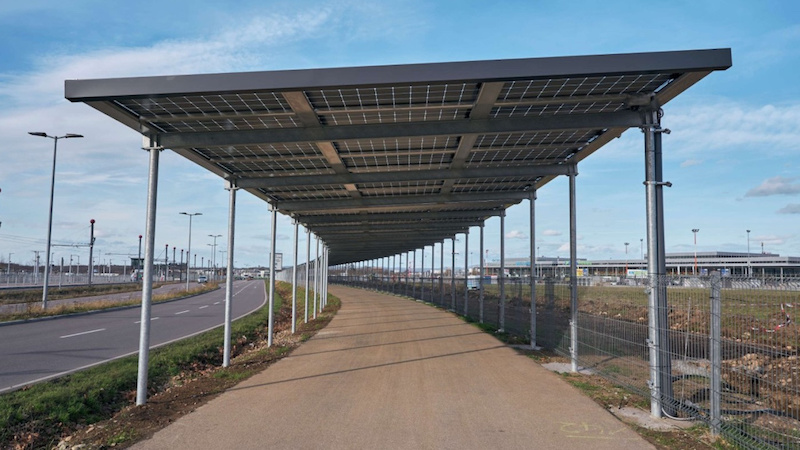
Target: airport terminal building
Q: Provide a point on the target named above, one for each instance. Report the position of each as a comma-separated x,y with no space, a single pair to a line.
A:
678,264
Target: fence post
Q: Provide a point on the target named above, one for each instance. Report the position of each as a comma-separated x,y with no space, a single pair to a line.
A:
715,352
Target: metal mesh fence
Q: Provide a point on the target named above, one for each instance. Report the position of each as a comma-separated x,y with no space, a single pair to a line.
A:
728,352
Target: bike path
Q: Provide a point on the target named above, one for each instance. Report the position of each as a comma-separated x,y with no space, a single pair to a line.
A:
392,373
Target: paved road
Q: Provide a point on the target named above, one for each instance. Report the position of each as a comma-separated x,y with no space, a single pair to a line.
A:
39,350
396,374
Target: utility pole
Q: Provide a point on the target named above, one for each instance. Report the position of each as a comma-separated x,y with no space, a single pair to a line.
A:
214,254
166,262
36,268
626,259
749,266
695,230
91,251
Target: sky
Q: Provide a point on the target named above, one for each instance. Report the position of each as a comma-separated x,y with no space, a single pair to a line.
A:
733,156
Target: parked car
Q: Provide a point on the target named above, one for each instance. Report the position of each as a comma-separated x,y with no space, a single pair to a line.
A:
202,279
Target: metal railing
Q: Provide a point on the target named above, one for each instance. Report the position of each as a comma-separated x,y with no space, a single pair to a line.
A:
730,349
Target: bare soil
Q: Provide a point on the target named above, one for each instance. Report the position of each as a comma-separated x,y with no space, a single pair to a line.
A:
612,397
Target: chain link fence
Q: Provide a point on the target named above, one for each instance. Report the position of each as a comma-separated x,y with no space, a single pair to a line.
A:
729,353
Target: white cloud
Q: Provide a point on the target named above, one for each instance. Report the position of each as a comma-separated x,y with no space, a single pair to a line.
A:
551,233
775,186
516,234
771,240
239,48
691,162
792,208
726,125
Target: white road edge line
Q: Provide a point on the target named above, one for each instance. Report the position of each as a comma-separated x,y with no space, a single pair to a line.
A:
182,312
152,319
203,307
85,332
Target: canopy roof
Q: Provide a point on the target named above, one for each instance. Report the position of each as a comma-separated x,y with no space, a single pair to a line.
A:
382,160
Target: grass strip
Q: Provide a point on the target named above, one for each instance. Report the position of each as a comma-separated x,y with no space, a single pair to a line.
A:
36,311
59,293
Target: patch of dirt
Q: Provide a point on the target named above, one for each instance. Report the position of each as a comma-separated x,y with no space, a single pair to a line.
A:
613,397
193,388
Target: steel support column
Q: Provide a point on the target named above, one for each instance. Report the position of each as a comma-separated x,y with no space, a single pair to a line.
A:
422,284
226,352
466,273
316,274
453,276
308,273
271,322
573,274
441,273
660,363
501,277
414,275
433,265
294,278
532,223
323,279
480,282
147,280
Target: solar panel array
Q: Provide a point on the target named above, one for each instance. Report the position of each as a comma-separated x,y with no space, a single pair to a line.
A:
380,168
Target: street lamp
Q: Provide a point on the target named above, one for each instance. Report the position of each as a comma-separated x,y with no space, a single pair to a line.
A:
695,230
213,254
189,251
641,247
749,267
626,258
50,220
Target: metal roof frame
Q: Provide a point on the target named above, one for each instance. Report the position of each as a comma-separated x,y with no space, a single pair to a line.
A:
385,159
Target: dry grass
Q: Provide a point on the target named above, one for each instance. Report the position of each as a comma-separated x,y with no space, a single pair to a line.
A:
34,311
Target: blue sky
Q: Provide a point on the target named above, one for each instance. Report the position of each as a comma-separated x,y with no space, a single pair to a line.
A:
733,156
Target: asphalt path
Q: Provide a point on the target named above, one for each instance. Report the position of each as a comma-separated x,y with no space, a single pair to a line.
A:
35,351
392,373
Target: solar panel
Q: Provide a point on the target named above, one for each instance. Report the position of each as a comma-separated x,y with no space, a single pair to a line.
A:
425,148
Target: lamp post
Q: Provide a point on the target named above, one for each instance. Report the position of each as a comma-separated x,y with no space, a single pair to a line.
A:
695,230
166,262
139,264
626,259
214,254
189,248
50,219
749,267
8,270
641,247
